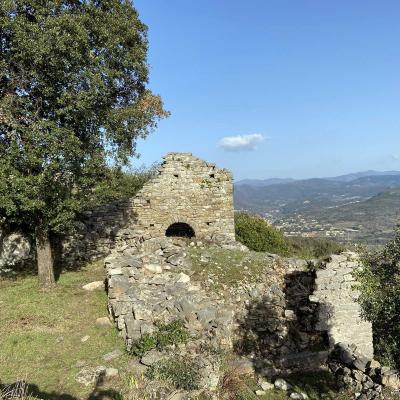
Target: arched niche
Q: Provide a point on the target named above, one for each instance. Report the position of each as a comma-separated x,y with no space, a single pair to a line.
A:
180,229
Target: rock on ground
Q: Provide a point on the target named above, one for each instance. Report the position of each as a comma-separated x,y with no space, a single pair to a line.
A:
93,286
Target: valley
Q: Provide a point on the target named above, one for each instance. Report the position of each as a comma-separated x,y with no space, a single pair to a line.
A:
362,207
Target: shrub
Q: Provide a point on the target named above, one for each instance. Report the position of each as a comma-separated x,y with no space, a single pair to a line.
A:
379,284
181,372
306,247
169,334
258,235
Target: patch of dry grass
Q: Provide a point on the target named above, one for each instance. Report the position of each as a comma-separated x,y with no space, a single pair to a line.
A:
41,332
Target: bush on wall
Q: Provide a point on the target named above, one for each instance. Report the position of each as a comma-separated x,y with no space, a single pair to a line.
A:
379,284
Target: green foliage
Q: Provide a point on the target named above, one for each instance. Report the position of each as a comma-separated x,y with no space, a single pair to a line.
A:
73,100
181,372
258,235
169,334
306,247
119,184
379,283
141,346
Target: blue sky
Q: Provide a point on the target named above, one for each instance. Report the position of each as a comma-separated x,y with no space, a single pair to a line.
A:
315,83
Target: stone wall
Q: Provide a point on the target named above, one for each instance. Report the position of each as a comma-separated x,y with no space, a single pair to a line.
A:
286,320
98,233
187,190
339,312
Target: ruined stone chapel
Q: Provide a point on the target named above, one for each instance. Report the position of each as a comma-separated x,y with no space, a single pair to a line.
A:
189,197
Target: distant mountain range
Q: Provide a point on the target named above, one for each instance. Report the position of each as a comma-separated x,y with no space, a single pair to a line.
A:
340,178
359,206
264,182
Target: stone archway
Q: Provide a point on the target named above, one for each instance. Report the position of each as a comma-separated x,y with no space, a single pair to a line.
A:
180,229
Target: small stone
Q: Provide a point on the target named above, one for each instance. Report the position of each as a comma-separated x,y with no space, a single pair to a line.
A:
281,384
85,338
60,339
111,372
154,268
361,362
135,366
265,385
103,322
151,357
93,286
260,392
373,364
113,354
290,315
298,396
183,278
89,376
115,271
391,380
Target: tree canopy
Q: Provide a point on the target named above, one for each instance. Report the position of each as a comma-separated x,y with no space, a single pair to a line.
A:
73,100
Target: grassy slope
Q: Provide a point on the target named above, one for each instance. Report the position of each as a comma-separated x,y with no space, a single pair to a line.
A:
32,323
40,332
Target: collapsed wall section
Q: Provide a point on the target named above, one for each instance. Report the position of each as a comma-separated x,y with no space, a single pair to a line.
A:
339,311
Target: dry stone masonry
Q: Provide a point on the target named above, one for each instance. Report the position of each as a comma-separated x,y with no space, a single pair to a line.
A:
289,318
188,194
188,197
340,314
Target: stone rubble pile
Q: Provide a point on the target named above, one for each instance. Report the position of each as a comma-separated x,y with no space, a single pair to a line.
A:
364,376
154,285
274,322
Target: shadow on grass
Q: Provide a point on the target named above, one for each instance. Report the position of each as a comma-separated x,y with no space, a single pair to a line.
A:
24,390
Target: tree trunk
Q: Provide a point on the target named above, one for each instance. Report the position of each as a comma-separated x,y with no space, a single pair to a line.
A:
44,259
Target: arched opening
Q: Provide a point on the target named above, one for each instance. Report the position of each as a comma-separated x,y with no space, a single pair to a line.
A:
180,229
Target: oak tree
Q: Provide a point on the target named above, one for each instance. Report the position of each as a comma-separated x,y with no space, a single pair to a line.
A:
73,99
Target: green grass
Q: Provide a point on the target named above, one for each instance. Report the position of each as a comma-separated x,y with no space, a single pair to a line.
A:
170,334
181,372
228,267
32,323
41,331
317,386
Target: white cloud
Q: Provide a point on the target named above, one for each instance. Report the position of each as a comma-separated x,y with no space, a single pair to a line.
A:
241,142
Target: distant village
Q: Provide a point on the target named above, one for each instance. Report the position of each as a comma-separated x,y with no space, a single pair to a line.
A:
300,225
